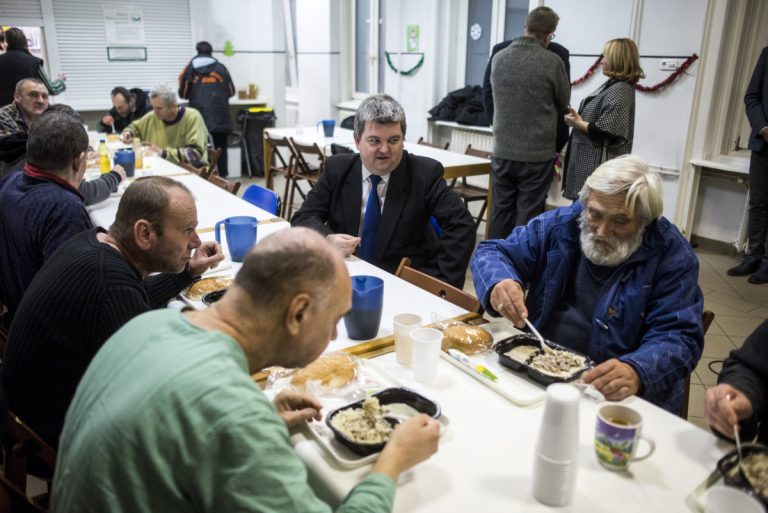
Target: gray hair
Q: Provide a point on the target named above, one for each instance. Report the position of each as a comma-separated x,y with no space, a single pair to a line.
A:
165,92
628,174
54,139
378,108
286,263
21,83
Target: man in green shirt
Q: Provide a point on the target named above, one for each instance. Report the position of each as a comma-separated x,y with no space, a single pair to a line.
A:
175,133
167,417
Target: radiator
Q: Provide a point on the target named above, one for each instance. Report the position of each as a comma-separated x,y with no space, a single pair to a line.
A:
482,141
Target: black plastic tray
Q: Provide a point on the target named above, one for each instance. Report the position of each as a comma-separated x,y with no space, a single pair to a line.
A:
387,396
729,462
507,344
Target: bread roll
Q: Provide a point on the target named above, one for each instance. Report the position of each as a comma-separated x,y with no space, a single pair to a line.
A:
467,339
332,370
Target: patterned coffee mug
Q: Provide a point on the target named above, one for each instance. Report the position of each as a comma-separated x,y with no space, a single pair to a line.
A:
617,436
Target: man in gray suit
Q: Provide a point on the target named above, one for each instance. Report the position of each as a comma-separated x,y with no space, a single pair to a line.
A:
530,87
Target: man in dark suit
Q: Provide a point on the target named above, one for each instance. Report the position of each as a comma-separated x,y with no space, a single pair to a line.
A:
394,222
756,262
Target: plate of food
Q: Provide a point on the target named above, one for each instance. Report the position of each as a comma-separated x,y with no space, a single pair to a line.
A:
557,364
342,382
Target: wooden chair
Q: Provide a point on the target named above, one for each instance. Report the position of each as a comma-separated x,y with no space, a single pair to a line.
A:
26,453
434,286
424,142
213,159
205,172
278,166
302,170
225,184
706,319
13,500
470,193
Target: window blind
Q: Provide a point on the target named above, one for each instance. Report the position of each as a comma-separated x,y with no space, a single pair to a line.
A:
21,12
82,49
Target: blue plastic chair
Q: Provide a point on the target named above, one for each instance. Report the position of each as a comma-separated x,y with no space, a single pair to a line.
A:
262,198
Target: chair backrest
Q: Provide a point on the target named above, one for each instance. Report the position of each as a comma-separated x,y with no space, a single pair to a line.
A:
348,122
263,198
276,144
13,500
213,159
225,184
424,142
340,149
23,447
300,152
706,320
483,154
434,286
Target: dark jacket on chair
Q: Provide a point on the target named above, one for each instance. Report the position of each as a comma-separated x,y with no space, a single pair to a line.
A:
416,191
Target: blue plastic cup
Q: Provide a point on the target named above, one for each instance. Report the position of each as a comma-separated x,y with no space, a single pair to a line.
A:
126,158
328,126
241,235
363,320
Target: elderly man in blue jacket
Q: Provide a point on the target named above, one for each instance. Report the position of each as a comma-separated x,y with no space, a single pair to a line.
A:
609,277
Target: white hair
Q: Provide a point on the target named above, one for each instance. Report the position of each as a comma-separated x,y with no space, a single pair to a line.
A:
629,175
165,92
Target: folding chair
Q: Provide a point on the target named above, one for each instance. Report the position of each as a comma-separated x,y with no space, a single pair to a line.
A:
225,184
424,142
434,286
303,170
706,319
470,193
26,453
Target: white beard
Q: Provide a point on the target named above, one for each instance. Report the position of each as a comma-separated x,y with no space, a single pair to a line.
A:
607,251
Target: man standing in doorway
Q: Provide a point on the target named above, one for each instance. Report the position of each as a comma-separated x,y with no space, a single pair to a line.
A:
530,87
755,263
206,83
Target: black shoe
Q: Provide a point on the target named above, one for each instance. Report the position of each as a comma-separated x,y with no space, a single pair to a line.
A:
748,266
760,276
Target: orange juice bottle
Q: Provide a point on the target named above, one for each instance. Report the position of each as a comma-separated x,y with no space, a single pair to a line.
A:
104,165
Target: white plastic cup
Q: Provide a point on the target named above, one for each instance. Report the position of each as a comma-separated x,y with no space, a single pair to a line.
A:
404,324
554,483
559,431
725,499
426,353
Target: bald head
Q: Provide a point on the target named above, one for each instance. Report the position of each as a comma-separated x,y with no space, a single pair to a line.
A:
289,262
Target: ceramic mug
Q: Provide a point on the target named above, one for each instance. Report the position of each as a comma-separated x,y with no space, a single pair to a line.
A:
241,235
617,436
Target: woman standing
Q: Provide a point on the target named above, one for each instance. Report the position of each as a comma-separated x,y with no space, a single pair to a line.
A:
604,126
17,63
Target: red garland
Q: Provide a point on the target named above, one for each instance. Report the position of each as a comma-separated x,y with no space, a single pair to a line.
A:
645,89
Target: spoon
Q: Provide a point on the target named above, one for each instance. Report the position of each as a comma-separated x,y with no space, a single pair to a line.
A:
544,346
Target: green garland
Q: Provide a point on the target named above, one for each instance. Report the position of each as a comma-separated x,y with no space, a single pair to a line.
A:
407,72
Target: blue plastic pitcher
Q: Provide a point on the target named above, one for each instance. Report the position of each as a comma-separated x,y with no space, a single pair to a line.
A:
126,158
363,320
241,235
328,126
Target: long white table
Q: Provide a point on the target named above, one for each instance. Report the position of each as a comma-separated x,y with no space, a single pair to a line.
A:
455,164
485,460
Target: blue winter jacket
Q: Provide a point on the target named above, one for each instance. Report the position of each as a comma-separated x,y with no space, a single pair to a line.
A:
649,311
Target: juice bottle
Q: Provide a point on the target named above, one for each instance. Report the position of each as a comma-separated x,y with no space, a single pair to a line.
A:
139,152
104,164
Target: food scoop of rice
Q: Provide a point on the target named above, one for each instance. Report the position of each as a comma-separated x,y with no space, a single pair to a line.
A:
365,425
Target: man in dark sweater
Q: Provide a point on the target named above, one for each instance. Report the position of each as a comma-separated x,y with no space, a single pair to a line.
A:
740,397
40,208
90,287
530,87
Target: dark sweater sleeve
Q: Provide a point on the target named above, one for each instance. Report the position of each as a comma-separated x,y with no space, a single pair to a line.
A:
746,369
96,191
163,287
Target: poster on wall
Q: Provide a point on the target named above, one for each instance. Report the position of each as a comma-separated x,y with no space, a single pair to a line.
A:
124,25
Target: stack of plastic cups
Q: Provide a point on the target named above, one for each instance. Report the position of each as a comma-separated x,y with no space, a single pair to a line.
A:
555,463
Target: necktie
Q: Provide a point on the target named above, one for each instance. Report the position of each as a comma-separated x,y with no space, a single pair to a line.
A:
371,222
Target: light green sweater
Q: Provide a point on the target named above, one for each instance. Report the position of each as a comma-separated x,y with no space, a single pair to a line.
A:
168,419
188,131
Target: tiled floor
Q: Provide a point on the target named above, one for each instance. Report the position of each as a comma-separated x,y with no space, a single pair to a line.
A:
739,307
